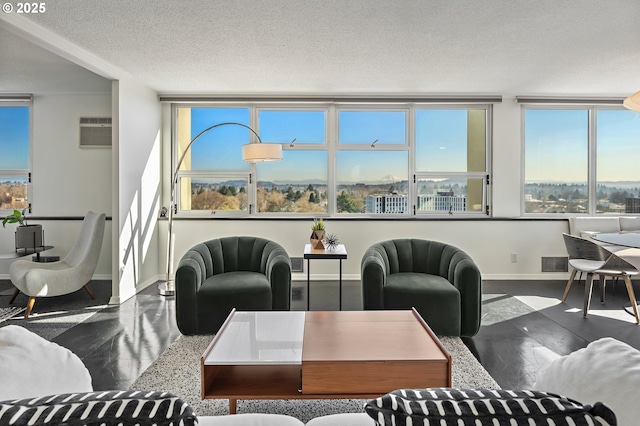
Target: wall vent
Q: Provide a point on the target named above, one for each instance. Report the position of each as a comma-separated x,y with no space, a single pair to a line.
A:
95,132
555,264
297,264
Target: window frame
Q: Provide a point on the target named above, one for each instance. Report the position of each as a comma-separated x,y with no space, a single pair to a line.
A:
21,101
592,109
485,175
377,147
237,174
332,108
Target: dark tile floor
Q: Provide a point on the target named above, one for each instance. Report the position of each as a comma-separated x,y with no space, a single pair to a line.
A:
119,343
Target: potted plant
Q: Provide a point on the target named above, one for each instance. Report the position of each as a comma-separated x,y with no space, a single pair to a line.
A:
317,234
27,236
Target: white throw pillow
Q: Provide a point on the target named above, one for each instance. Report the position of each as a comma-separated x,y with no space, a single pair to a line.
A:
630,223
249,419
31,366
606,371
346,419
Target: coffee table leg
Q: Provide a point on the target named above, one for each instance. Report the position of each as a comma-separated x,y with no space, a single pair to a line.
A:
233,406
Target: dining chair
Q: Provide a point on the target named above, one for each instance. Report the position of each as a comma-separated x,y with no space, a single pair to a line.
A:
593,259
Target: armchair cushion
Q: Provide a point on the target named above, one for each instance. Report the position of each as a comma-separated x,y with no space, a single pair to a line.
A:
442,308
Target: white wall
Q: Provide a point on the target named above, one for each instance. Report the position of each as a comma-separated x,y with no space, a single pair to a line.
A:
490,242
136,170
67,180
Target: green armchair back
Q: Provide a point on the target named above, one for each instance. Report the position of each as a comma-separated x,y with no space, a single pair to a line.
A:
213,277
441,281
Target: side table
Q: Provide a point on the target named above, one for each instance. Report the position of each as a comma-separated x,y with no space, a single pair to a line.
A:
340,253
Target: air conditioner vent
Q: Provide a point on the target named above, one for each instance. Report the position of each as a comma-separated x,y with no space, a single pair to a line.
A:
94,120
555,264
95,132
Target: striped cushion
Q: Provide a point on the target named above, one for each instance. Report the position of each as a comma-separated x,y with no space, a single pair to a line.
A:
99,408
462,407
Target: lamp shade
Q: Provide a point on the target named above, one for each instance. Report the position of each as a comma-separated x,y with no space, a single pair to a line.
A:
633,102
259,152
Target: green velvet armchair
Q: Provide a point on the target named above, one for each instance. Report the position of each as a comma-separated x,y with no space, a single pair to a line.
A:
246,273
441,281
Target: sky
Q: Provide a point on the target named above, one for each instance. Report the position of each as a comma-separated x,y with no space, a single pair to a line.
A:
14,137
442,142
556,145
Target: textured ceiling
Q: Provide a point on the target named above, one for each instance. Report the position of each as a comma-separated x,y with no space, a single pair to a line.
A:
507,47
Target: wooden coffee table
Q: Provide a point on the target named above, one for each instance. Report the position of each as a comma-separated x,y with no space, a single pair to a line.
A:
321,355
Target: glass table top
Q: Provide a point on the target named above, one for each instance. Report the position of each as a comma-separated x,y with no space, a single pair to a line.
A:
258,338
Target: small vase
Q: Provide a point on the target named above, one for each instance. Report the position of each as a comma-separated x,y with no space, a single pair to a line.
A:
316,240
28,236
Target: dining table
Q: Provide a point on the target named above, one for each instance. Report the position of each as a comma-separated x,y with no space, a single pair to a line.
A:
625,245
624,239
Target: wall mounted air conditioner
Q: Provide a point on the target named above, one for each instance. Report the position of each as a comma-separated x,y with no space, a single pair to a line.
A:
95,132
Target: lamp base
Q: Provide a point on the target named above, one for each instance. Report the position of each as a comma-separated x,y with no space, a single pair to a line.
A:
166,288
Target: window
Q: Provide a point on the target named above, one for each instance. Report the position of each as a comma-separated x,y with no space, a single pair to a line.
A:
15,161
212,176
298,183
618,160
372,162
451,160
581,160
346,159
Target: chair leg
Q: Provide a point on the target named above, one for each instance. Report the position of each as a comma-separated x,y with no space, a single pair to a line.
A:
632,297
603,289
566,289
588,287
30,303
14,295
86,287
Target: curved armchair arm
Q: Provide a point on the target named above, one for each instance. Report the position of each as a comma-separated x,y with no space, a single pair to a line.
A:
373,269
190,275
278,272
468,281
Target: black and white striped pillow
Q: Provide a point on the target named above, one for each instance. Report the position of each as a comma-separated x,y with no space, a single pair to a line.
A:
462,407
108,408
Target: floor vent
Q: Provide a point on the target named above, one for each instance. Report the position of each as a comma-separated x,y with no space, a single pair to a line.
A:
555,264
297,264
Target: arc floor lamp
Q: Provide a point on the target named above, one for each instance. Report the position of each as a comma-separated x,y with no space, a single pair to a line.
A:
633,102
253,152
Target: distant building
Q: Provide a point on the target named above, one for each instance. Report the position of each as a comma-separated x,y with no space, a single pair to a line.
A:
386,203
442,201
632,205
399,203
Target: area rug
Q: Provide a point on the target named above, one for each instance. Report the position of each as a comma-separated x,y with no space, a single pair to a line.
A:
178,371
52,316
